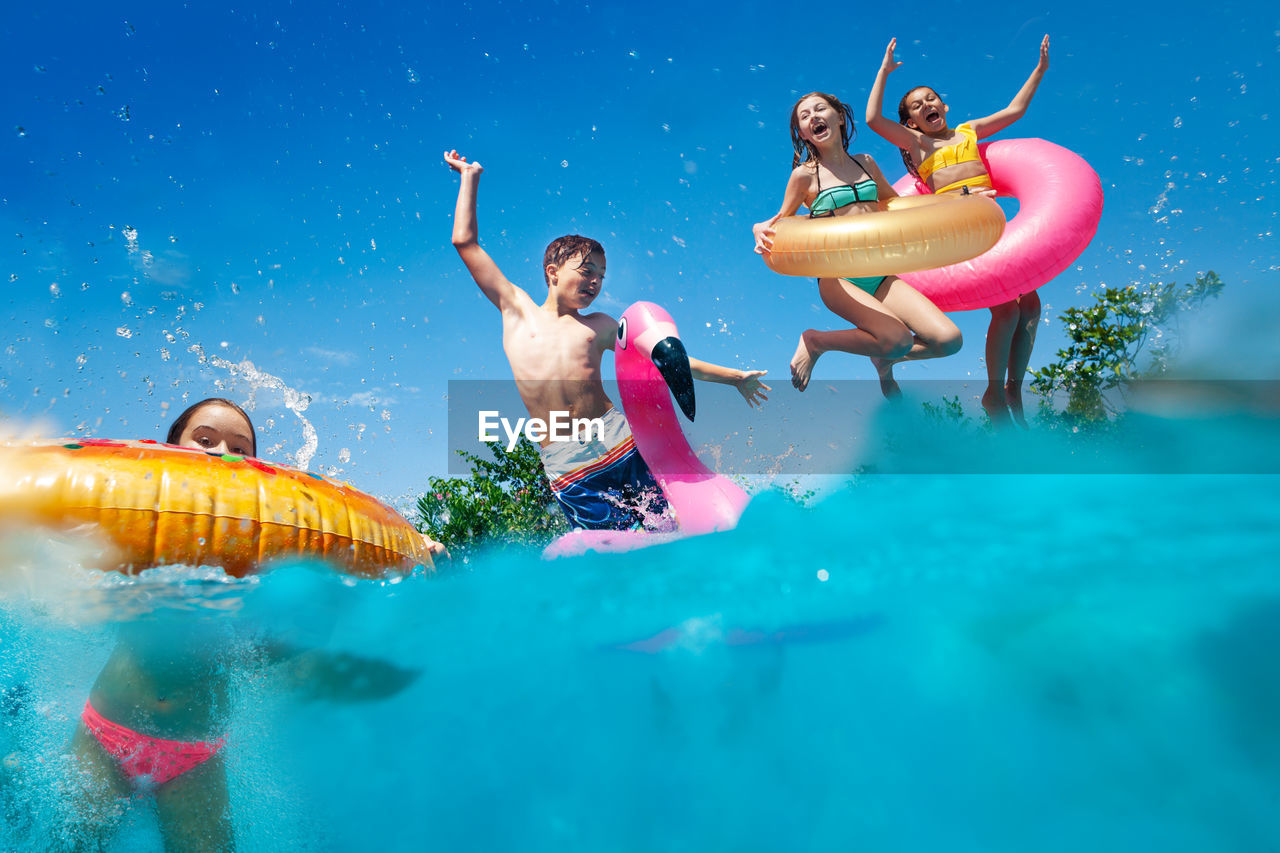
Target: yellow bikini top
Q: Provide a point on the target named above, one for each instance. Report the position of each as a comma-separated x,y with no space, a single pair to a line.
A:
963,151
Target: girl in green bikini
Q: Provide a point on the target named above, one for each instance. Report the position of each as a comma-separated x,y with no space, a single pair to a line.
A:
891,321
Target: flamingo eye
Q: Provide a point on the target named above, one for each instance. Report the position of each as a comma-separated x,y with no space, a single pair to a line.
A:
622,333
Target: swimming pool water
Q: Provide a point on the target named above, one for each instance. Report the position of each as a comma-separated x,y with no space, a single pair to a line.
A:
919,661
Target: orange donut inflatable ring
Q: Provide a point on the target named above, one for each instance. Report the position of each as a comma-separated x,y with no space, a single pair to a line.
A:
917,233
157,504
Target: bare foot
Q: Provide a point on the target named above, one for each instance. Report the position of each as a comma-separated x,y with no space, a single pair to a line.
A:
888,385
1013,399
802,362
993,403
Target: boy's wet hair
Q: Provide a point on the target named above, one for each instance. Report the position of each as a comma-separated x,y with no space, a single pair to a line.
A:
564,249
903,118
175,431
848,128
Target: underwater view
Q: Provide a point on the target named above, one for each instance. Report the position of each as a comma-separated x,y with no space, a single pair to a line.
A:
1089,665
920,617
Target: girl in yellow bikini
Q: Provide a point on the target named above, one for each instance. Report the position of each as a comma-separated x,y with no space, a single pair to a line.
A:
892,321
947,160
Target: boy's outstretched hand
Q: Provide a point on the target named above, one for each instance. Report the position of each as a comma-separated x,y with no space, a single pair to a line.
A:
751,388
459,163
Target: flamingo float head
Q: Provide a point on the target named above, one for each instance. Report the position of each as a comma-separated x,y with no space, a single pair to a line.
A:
646,333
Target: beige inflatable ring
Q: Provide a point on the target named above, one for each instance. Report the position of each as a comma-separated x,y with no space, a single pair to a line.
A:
916,233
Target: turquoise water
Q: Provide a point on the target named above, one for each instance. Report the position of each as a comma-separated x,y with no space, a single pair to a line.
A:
1046,663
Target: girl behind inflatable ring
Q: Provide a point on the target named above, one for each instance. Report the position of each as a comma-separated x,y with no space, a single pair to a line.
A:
890,320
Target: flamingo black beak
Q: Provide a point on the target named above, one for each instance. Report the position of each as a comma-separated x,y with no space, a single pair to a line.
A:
673,363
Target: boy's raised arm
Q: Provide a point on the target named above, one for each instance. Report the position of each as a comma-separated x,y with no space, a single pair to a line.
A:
466,235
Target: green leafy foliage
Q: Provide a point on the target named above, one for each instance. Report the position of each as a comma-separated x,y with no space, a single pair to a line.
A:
503,502
1108,340
947,411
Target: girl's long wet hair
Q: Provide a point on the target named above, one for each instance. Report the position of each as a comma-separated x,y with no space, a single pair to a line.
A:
803,151
903,118
175,431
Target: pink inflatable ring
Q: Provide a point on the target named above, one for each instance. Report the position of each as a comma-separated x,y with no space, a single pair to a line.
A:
1060,203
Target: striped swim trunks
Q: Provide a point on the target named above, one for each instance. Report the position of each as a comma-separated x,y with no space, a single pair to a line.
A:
603,483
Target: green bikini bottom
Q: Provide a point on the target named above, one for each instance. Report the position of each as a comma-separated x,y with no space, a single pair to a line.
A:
869,283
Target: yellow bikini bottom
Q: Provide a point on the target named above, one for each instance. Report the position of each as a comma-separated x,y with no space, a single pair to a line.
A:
980,181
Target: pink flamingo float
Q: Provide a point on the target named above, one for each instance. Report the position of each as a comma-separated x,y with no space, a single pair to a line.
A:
651,366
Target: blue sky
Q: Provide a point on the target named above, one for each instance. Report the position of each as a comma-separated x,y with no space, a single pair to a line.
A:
251,201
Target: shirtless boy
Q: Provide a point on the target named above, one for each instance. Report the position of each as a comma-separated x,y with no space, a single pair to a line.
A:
555,352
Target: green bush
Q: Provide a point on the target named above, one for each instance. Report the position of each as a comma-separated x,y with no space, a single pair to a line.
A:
1108,340
505,501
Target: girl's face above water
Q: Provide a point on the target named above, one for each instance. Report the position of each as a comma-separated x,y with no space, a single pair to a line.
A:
925,110
218,429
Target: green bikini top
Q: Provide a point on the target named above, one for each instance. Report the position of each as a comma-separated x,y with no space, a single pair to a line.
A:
828,201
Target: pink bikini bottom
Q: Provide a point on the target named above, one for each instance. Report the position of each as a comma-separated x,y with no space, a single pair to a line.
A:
141,756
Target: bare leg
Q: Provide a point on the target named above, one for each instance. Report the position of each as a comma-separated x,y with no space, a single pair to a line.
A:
884,372
1004,320
1024,338
814,343
878,332
933,333
99,794
193,810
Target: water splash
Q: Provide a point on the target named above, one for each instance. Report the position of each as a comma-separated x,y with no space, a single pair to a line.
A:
295,401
